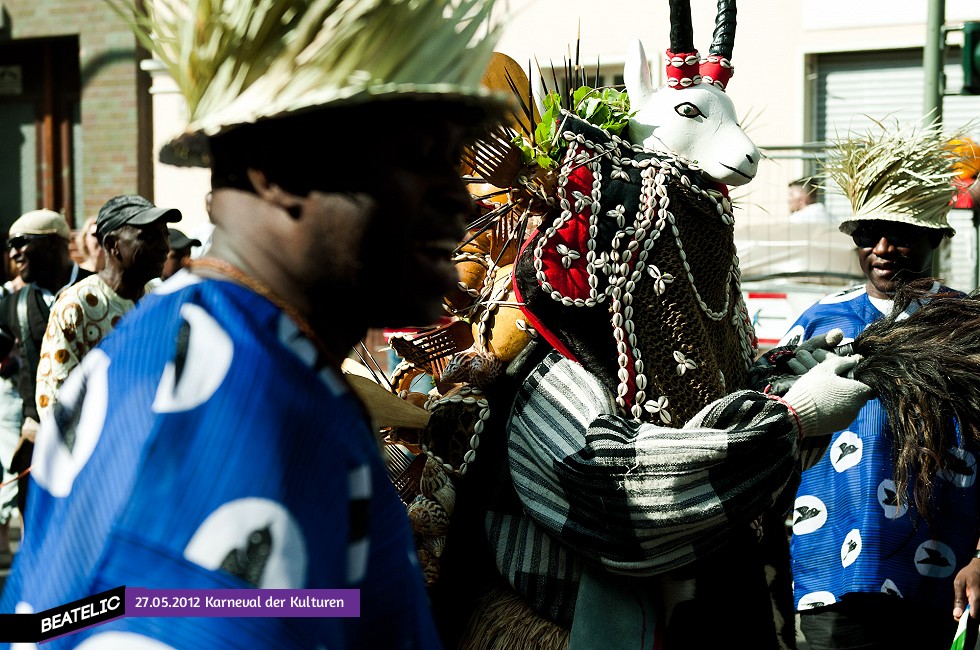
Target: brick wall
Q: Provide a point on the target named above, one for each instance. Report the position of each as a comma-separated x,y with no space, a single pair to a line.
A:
110,134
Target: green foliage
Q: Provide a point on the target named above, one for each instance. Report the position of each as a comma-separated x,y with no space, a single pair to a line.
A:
606,108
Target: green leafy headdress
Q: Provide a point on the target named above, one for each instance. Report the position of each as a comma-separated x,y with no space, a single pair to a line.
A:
896,173
240,61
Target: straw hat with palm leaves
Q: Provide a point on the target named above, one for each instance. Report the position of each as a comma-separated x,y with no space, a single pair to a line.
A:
896,172
241,61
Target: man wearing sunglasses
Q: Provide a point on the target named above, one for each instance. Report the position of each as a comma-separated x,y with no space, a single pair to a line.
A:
892,252
38,247
866,561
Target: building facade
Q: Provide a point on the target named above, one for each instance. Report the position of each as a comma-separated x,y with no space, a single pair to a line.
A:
85,113
75,113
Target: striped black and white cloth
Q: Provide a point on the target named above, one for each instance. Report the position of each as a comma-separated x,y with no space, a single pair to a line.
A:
638,499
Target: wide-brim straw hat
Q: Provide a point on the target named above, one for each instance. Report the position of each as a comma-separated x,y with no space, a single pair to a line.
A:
239,62
932,221
900,173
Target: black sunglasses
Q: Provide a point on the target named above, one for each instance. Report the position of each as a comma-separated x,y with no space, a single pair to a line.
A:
868,238
23,240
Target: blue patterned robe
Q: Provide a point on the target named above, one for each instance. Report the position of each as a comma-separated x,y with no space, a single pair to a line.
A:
202,446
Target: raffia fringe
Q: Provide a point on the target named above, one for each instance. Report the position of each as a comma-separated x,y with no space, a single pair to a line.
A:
505,622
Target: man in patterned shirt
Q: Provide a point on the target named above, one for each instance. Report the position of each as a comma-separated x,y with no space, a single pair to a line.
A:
133,233
870,569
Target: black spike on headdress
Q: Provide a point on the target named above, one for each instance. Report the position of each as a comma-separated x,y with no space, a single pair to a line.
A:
681,32
723,40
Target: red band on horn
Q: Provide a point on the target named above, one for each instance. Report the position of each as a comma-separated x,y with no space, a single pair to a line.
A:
682,69
717,70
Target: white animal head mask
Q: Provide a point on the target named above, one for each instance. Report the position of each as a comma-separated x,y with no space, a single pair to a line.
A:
691,116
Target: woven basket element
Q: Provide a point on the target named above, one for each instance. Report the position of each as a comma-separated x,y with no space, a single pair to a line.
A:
405,474
434,349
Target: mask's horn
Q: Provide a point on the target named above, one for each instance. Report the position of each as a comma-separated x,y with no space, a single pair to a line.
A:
717,69
682,57
681,32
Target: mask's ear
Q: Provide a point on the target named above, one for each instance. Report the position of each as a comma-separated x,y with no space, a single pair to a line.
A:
637,76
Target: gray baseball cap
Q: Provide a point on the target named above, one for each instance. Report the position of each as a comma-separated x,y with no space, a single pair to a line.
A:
178,240
130,210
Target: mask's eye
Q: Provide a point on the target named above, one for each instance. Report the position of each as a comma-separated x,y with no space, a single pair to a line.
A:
689,110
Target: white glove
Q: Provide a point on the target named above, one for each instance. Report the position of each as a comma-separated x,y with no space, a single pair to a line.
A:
825,399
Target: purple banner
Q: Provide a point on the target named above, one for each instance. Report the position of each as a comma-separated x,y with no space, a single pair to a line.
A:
284,603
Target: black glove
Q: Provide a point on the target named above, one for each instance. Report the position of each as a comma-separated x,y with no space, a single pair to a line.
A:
779,368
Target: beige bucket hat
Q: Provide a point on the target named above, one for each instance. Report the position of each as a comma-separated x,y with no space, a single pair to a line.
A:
41,222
